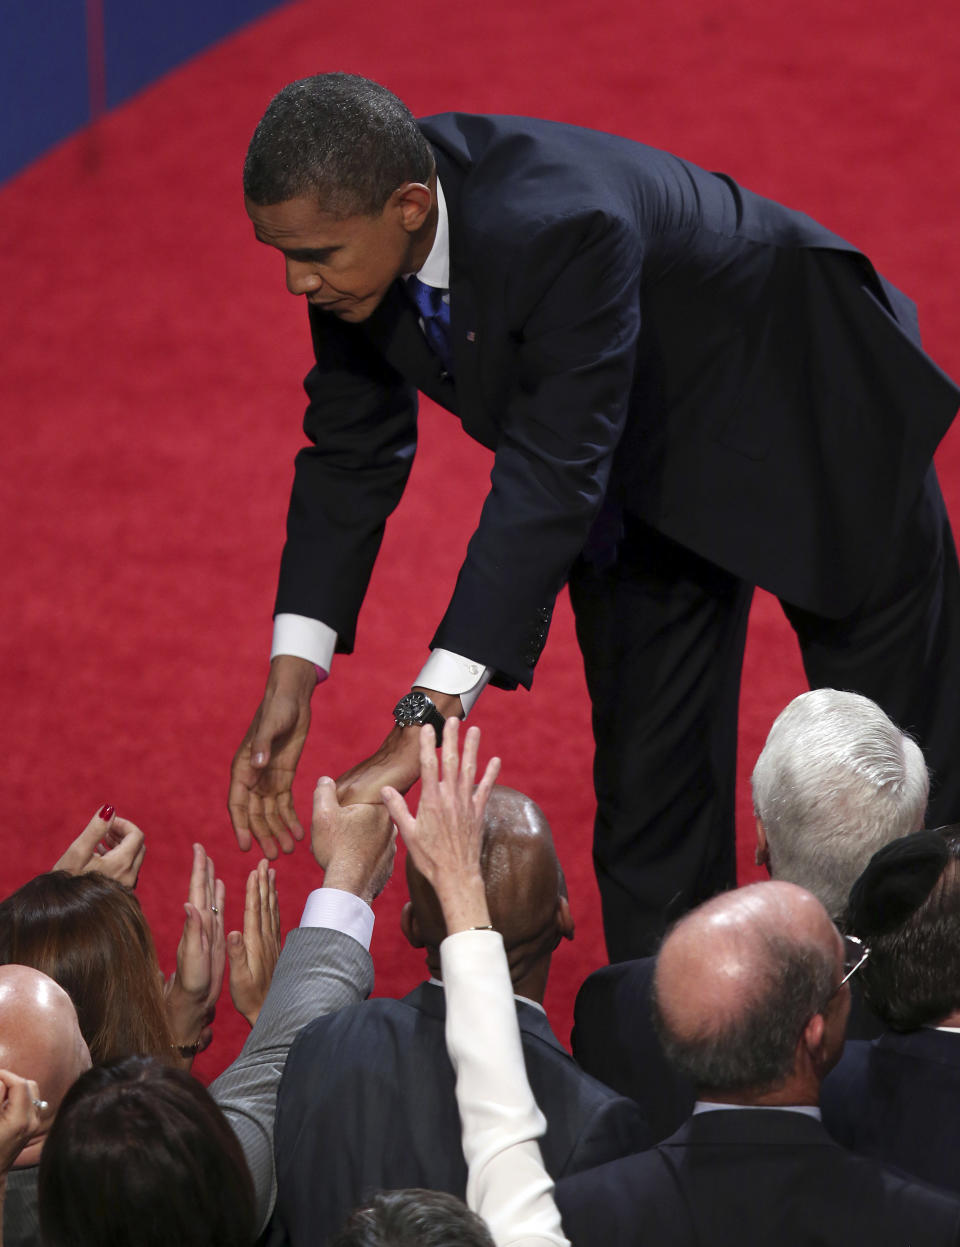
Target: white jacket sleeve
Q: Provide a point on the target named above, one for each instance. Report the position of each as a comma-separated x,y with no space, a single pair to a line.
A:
507,1183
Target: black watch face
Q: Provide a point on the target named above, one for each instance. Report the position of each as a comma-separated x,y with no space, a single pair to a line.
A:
410,709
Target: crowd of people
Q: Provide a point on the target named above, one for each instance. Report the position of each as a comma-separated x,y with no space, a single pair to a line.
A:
782,1070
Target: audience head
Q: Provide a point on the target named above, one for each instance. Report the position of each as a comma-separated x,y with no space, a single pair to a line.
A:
39,1039
88,933
414,1218
340,139
906,908
746,996
526,892
140,1153
835,781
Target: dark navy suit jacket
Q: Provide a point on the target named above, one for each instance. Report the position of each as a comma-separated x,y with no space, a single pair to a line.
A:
624,324
367,1102
898,1100
764,1177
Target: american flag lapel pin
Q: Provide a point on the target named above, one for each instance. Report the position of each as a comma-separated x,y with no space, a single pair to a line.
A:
471,335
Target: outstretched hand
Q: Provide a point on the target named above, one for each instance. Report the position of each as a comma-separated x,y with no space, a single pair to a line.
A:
254,951
445,837
109,845
261,777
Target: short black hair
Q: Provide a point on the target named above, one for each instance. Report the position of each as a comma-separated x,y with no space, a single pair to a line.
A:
756,1050
139,1152
413,1218
912,976
339,137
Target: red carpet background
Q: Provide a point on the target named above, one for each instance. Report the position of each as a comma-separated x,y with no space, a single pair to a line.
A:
151,402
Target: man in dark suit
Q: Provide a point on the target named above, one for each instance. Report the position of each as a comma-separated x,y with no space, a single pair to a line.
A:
835,781
897,1099
752,1000
367,1098
689,389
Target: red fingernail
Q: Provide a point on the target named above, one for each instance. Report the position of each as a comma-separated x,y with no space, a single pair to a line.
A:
106,813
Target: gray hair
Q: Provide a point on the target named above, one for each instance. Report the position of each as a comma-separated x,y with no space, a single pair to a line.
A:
836,781
755,1049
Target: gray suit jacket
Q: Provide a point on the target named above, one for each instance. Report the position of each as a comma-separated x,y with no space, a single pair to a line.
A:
21,1221
319,971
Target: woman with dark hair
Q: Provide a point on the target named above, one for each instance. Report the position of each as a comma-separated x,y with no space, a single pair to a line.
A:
89,934
140,1153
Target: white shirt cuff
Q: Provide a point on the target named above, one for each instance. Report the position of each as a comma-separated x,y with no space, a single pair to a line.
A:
447,672
301,637
341,911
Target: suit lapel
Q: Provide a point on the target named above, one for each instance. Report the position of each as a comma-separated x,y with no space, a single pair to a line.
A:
394,330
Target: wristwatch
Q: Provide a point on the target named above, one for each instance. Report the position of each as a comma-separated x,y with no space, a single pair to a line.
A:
416,709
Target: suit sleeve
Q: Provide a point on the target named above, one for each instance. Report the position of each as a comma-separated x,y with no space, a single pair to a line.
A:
361,422
320,970
573,307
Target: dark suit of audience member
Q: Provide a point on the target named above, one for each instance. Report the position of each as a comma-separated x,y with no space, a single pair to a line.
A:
751,1003
898,1099
835,781
367,1098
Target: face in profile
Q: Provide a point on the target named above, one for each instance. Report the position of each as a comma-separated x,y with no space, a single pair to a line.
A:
343,265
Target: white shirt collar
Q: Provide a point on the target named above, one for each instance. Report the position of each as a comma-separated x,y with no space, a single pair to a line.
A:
808,1110
435,270
534,1004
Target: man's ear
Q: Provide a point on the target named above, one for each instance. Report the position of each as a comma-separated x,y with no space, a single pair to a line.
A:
564,919
410,927
762,854
813,1036
413,201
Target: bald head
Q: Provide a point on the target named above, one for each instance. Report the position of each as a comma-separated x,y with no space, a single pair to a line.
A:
738,979
39,1039
526,893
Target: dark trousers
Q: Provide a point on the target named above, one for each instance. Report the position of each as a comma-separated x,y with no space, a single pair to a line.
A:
662,633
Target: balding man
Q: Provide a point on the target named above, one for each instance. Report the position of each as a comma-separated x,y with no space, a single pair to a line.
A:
367,1097
835,781
39,1039
751,998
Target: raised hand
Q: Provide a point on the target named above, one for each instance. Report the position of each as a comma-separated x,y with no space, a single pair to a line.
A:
254,951
261,777
108,844
445,837
194,987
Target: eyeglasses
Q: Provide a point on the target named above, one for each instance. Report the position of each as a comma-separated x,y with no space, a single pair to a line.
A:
855,953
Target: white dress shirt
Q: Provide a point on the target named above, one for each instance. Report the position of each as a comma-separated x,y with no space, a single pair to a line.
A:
302,637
